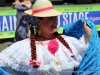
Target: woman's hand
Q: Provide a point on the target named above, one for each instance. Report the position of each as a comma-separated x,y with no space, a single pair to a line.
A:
88,31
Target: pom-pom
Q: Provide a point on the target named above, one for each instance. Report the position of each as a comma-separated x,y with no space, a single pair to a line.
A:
53,46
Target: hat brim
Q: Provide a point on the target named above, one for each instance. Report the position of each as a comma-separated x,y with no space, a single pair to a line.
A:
47,13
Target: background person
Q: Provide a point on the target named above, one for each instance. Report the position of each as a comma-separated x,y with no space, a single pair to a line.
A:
21,24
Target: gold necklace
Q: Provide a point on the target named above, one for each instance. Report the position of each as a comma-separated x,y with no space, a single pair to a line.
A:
55,61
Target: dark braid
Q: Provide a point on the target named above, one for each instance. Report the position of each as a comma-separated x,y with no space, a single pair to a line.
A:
61,39
33,23
33,46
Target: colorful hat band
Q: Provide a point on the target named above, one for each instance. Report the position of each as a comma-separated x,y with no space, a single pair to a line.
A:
42,9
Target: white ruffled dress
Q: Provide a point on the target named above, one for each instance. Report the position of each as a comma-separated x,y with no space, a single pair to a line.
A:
18,55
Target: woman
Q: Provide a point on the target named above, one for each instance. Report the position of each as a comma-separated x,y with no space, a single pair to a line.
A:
46,52
21,24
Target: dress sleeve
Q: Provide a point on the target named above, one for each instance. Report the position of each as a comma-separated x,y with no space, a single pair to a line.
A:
82,45
77,44
17,56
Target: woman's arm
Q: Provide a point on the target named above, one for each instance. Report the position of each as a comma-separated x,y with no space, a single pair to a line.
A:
88,32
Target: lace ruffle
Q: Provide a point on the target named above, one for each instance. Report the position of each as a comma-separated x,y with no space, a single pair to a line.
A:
8,61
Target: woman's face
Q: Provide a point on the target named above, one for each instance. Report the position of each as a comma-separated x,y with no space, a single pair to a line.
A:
47,25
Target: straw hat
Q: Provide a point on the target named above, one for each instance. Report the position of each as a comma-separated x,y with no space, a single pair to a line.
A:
43,8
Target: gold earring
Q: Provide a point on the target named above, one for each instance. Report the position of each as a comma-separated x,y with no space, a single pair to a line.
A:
39,32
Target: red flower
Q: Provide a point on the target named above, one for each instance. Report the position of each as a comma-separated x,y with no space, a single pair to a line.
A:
53,46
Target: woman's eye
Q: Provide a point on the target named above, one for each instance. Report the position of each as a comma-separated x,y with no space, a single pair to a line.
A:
52,17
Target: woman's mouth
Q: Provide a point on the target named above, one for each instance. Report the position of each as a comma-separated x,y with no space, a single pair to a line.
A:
54,26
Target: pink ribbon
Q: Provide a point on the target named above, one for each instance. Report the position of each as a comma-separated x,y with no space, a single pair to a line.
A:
42,9
70,50
30,62
38,63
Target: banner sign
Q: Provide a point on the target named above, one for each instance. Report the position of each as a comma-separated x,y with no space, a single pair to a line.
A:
71,17
8,12
78,8
7,26
8,23
71,14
